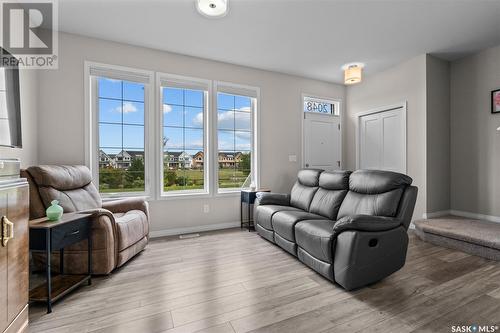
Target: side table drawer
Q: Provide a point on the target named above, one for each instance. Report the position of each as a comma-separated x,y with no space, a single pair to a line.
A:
70,233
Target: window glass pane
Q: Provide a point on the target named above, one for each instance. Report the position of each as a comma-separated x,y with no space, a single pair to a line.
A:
242,121
133,113
193,98
242,168
225,140
110,110
320,106
173,138
225,119
242,103
121,145
234,140
133,136
242,141
193,139
173,96
173,115
109,88
225,101
110,136
193,117
133,91
184,156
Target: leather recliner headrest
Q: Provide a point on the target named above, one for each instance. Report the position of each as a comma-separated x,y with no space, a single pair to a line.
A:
334,180
309,177
377,181
61,177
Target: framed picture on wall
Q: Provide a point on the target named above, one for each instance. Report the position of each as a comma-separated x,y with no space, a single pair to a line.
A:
495,101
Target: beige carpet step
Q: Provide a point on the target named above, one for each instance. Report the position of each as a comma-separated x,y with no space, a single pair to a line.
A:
481,238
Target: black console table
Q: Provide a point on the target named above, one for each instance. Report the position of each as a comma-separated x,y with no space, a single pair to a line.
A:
48,236
247,200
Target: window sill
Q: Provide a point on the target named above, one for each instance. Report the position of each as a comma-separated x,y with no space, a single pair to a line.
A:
111,197
184,195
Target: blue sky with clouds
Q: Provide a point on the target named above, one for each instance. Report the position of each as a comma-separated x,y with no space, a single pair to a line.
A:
182,118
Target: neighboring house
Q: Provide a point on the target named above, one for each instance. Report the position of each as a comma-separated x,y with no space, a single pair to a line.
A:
176,160
229,159
122,160
198,160
105,160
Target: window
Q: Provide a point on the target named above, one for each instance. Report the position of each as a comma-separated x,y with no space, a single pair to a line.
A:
119,105
235,138
183,108
199,139
321,106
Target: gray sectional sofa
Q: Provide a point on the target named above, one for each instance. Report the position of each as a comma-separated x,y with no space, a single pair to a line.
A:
349,227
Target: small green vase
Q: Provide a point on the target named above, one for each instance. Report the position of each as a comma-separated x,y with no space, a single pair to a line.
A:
54,212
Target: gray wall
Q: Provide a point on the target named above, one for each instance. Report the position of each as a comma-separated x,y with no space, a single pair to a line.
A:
475,143
28,84
62,118
405,82
438,134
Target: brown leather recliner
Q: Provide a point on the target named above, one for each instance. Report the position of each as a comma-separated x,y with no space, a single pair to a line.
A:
120,227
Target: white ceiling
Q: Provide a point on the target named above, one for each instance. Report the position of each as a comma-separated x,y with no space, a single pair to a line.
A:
310,38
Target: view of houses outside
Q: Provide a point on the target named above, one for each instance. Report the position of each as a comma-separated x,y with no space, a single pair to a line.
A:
121,138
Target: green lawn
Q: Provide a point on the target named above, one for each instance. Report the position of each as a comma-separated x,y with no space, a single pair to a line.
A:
228,178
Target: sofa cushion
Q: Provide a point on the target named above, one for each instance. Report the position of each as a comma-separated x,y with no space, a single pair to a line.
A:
316,238
264,214
334,180
383,204
377,181
284,222
333,187
374,192
304,188
131,227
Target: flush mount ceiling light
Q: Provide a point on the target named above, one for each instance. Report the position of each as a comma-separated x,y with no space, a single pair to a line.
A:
212,8
352,72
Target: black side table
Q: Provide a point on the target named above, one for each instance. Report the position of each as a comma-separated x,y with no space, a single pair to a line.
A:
247,200
48,236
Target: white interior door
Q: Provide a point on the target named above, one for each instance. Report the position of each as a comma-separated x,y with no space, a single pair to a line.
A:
322,145
382,139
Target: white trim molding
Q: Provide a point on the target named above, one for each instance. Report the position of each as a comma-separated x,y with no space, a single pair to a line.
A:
460,213
434,215
188,230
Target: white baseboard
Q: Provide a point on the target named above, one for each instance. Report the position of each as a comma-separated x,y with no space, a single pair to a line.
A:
188,230
436,214
475,216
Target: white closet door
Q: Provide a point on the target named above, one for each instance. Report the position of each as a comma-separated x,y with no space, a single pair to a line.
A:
382,140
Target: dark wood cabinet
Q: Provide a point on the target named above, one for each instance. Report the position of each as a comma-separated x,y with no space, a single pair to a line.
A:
14,255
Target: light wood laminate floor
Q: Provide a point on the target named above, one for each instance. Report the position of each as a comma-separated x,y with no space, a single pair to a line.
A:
234,281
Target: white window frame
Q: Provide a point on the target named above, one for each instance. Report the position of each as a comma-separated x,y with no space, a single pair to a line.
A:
183,82
91,104
241,90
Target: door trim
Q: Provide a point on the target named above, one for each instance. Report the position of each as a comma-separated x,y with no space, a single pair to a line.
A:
341,122
404,108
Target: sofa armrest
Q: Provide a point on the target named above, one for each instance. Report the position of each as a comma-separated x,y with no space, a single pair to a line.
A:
366,223
125,205
266,198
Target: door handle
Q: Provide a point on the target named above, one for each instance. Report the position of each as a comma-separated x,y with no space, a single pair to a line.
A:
7,230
